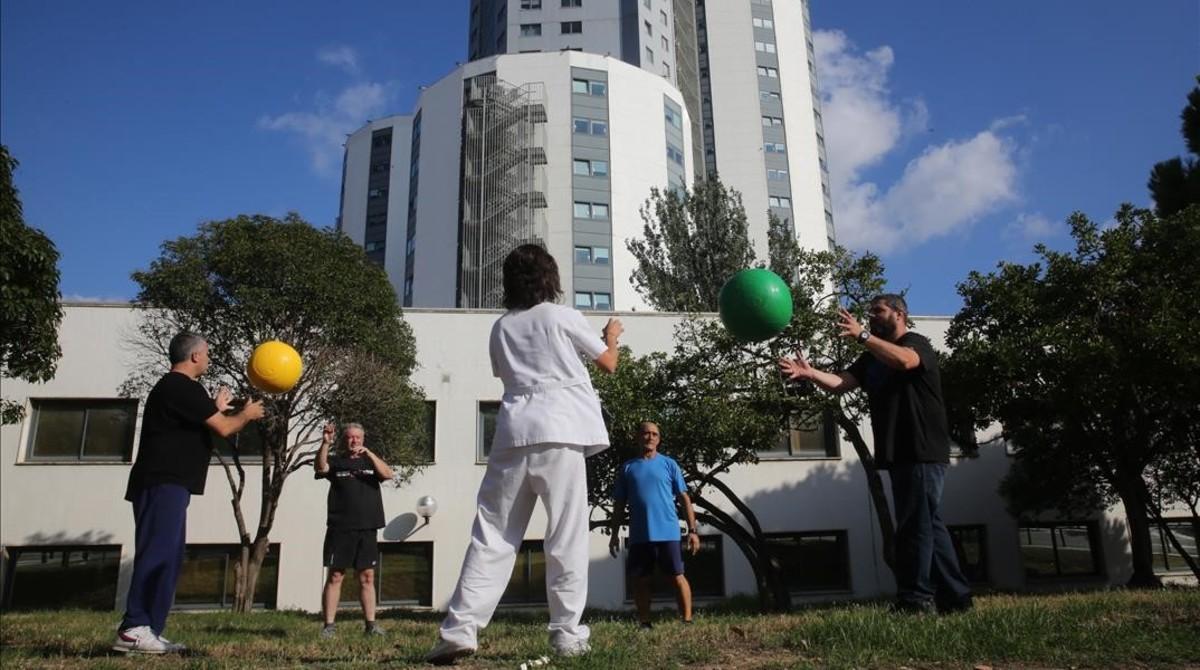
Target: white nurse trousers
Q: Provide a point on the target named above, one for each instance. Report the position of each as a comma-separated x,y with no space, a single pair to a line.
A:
515,479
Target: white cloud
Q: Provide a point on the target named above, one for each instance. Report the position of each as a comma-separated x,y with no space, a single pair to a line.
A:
340,56
1032,227
324,130
940,192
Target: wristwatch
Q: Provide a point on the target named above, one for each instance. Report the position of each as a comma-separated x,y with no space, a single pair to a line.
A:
864,336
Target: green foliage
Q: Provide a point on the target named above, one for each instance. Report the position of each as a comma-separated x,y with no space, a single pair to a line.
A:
1175,183
1090,365
29,299
692,242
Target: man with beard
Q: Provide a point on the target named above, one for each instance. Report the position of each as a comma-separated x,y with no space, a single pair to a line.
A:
899,372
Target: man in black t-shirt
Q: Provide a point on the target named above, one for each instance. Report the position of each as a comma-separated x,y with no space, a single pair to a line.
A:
354,518
899,372
171,467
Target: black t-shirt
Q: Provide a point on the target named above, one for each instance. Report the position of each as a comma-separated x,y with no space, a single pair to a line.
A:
175,444
908,414
354,499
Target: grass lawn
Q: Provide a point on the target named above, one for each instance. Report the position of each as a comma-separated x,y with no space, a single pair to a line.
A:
1113,629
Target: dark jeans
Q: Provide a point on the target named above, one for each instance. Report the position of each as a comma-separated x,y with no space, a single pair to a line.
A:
926,565
160,531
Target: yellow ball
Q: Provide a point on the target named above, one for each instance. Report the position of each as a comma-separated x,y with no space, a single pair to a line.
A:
274,367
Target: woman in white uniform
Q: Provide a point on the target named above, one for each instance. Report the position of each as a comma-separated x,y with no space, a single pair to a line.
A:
549,421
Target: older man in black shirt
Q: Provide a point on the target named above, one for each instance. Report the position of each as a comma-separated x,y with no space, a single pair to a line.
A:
899,372
171,466
355,515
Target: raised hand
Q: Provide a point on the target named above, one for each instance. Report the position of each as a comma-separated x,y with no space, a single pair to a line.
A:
328,433
223,399
254,409
612,331
847,324
796,368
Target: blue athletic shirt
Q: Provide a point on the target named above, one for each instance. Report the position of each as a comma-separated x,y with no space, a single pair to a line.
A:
650,486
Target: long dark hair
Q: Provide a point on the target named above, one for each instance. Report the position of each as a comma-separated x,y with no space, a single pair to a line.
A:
530,277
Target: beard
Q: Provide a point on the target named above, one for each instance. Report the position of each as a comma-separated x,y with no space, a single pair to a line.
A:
885,330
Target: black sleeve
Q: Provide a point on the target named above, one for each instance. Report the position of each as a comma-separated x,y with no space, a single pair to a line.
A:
192,404
858,369
924,349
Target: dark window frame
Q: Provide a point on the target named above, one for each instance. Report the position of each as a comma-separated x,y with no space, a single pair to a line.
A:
106,597
349,596
483,446
664,591
1095,548
229,554
85,405
845,580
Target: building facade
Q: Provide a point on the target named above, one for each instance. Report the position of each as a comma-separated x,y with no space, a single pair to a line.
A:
567,115
66,534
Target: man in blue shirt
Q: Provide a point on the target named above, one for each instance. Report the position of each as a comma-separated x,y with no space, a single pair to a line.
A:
650,484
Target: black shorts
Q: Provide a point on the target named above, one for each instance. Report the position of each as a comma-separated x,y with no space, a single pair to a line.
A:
351,548
643,556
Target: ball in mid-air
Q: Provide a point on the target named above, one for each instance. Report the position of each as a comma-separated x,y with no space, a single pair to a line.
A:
274,367
755,305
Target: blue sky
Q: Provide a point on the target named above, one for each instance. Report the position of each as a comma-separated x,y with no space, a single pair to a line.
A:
960,133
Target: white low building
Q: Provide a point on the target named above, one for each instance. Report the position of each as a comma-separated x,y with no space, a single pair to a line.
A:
67,534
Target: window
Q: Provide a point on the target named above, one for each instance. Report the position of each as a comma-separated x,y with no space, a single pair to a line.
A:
770,96
772,121
813,561
970,545
1060,550
782,202
674,155
602,301
377,193
572,3
583,254
649,28
591,210
60,577
674,118
248,444
98,429
572,27
531,4
588,87
777,175
763,23
662,16
666,45
774,147
404,576
583,300
649,55
765,47
528,582
599,210
584,126
428,449
373,246
705,573
1167,559
206,580
666,69
486,429
806,438
771,72
600,255
531,30
590,168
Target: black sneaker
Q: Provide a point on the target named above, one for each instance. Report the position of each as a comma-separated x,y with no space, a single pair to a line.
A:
372,629
963,604
645,625
912,607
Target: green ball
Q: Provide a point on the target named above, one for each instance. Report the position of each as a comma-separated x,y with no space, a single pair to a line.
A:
755,305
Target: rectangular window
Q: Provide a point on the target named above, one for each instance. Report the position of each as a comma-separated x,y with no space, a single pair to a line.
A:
674,118
531,30
486,428
649,28
599,210
581,126
1168,560
649,56
662,16
583,300
774,147
583,210
93,429
813,560
777,175
579,86
583,255
572,27
1060,550
770,96
531,4
248,443
528,582
765,47
404,576
599,168
600,255
763,23
970,545
782,202
602,301
674,154
705,573
373,246
666,69
582,168
806,437
769,72
572,3
772,121
666,45
206,580
51,578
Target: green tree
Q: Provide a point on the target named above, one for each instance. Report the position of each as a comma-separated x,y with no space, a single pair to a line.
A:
1086,359
29,299
1175,183
249,279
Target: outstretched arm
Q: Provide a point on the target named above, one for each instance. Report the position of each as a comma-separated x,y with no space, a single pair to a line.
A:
799,368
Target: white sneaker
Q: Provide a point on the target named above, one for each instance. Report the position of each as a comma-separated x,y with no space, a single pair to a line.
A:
139,640
446,652
173,647
577,648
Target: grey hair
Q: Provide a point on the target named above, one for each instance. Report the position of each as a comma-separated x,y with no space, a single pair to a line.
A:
182,346
359,426
895,301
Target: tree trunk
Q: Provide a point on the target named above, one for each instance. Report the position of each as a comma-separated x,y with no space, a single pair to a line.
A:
772,589
246,573
883,513
1130,489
